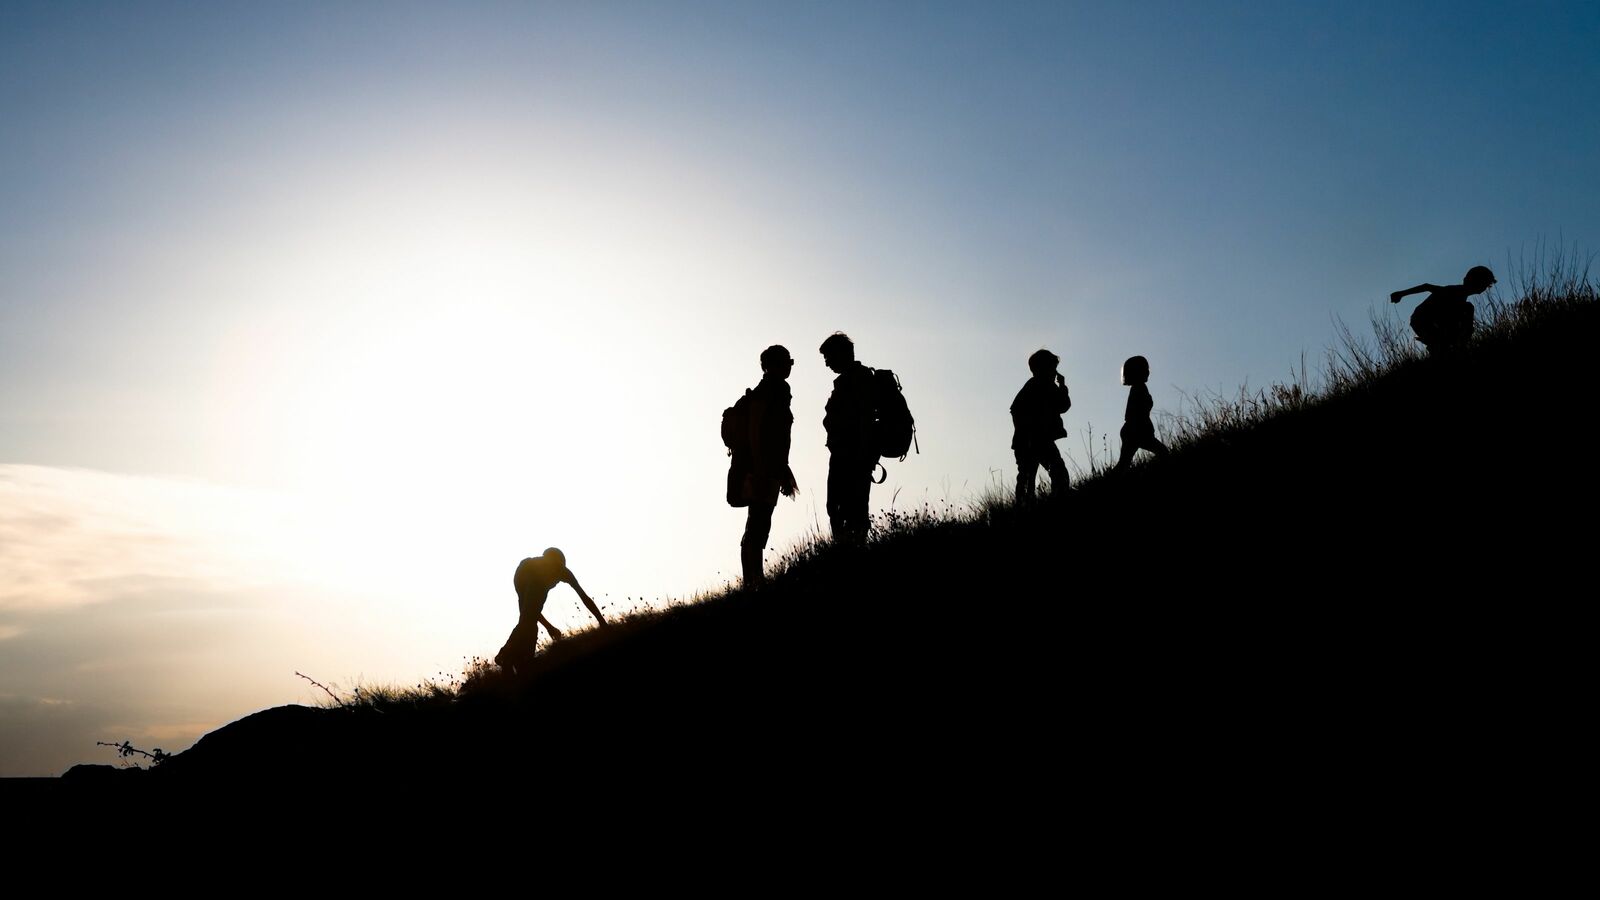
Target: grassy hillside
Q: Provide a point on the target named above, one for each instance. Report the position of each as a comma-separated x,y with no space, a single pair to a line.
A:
1322,595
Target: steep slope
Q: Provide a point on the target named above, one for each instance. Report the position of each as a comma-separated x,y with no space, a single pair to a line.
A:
1374,593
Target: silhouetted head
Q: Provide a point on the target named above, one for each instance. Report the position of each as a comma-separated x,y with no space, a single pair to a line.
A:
1478,279
555,557
1043,363
838,351
775,360
1136,370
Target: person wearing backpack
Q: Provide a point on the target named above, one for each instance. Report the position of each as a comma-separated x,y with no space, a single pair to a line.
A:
1444,320
852,452
761,462
1036,426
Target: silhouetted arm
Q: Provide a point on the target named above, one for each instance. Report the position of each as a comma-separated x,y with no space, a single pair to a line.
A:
784,420
770,421
555,633
572,579
1397,296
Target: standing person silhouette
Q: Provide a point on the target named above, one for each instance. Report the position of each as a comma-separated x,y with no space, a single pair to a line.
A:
1138,432
851,455
1444,320
1036,426
535,576
769,474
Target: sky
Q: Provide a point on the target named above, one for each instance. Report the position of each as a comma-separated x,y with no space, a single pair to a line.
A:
316,318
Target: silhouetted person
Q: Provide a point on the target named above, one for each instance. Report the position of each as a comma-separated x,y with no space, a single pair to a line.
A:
535,577
1036,426
1138,432
1444,319
767,468
852,454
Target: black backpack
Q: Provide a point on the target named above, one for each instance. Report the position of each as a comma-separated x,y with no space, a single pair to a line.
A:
736,437
894,432
736,426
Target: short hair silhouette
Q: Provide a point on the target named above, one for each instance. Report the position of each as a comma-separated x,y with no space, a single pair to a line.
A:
758,469
1036,426
852,455
775,356
1138,432
838,345
1445,319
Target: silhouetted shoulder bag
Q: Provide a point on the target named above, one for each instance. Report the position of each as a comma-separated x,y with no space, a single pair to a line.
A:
736,437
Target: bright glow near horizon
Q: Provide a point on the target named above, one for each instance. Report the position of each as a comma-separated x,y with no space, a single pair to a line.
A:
490,372
458,386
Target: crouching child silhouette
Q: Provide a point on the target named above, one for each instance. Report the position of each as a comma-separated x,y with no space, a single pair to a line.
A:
1138,432
1036,426
1444,320
535,577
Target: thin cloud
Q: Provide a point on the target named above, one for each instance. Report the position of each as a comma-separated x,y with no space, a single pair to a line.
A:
65,534
134,608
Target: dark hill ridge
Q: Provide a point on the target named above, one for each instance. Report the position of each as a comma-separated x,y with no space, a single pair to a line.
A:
1373,592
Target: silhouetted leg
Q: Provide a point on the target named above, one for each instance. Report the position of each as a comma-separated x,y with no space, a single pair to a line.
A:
1459,332
838,479
841,494
849,493
757,528
863,497
1060,481
520,646
1154,446
1422,327
1027,473
1130,446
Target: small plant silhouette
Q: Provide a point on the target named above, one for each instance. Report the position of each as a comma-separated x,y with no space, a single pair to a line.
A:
126,751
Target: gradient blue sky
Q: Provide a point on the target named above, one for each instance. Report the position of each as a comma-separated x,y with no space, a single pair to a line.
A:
315,318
